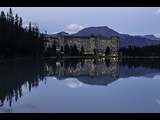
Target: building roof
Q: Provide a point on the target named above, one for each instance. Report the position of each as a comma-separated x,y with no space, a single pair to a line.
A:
99,37
86,37
76,37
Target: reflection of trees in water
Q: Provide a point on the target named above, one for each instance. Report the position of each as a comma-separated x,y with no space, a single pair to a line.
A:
152,63
67,63
72,63
61,64
107,61
51,63
14,74
82,63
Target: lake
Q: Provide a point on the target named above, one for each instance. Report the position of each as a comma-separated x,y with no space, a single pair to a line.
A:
80,85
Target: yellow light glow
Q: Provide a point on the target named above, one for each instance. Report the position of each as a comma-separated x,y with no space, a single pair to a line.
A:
57,63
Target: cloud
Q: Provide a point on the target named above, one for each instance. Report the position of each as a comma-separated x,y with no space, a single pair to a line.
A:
157,34
73,28
73,83
157,77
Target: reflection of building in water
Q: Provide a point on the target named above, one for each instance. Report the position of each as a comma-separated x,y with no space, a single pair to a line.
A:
87,67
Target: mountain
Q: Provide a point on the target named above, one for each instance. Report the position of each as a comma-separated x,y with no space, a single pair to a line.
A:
152,37
137,41
125,39
59,34
102,30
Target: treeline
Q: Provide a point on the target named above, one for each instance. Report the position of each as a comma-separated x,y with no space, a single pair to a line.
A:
72,50
66,50
16,40
153,50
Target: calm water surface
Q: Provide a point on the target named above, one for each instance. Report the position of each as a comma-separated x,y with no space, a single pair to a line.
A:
80,85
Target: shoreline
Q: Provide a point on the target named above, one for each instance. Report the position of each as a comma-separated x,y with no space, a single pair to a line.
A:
139,57
72,57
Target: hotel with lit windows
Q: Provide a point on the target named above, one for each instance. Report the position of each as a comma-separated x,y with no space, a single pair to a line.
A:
97,43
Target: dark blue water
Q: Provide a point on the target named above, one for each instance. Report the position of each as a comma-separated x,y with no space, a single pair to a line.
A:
80,85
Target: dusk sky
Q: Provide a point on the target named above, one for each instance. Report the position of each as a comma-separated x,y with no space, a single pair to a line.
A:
127,20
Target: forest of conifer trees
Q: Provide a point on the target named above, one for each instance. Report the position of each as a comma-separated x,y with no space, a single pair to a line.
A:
152,50
18,41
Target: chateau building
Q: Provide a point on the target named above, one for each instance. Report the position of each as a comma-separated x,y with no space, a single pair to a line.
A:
91,44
